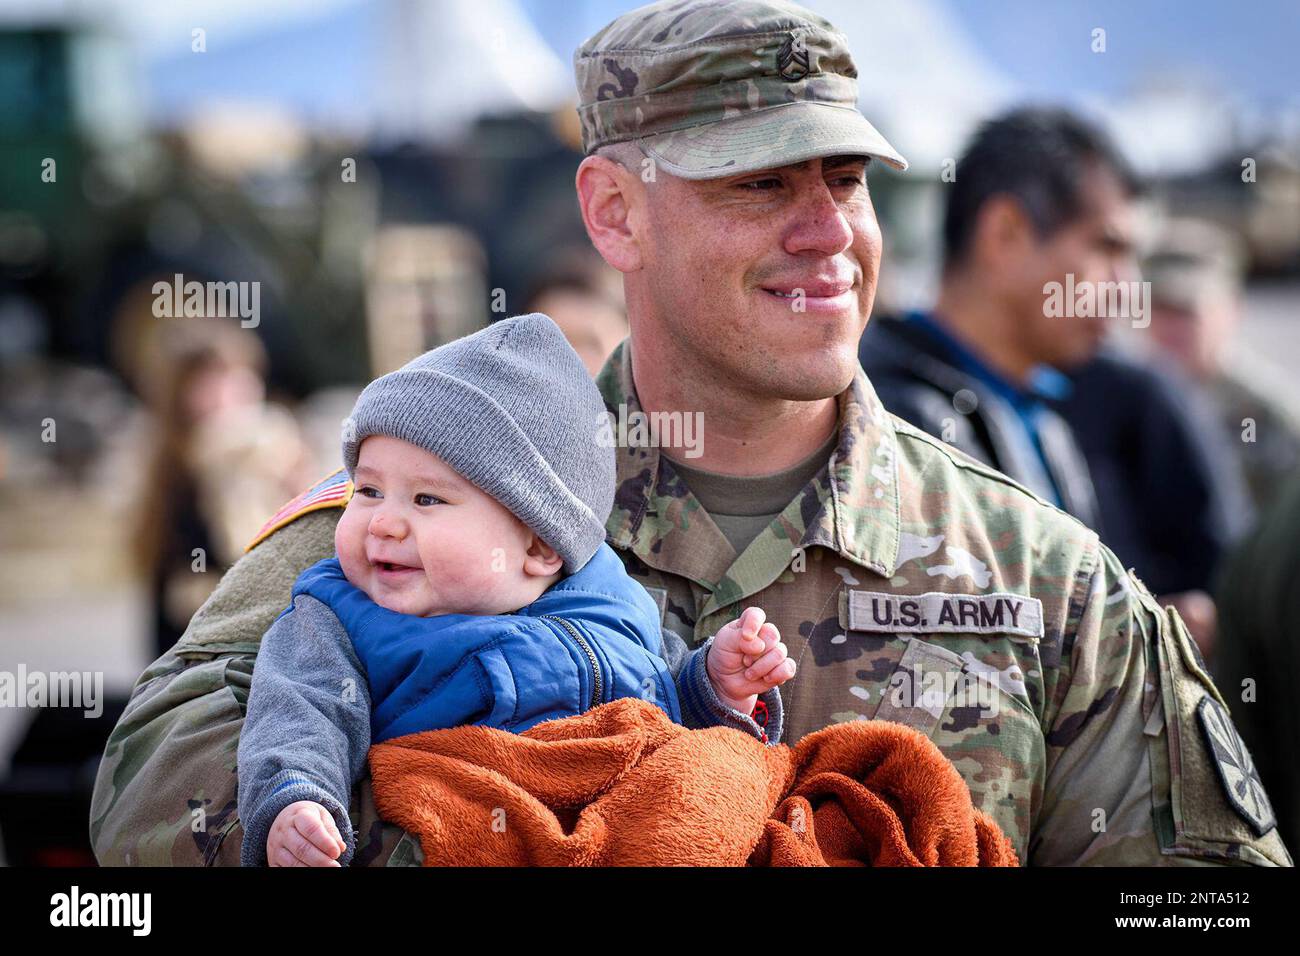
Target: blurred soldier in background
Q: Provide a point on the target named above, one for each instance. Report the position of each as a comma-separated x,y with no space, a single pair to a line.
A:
1195,275
1182,449
1169,492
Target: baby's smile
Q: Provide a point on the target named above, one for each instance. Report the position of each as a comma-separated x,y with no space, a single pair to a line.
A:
419,539
394,573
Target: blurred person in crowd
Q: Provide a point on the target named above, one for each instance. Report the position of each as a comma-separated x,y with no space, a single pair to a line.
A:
1258,663
222,460
586,307
1170,494
1040,197
1196,306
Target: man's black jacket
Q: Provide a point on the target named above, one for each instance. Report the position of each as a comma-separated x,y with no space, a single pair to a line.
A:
1128,451
917,381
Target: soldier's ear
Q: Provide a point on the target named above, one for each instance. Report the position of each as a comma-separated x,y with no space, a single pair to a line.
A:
610,198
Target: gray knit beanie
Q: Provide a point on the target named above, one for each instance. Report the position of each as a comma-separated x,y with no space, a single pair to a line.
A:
512,409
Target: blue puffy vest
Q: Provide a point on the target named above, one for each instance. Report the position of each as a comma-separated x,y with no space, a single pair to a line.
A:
591,638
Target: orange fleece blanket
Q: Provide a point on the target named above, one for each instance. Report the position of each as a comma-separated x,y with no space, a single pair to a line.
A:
622,785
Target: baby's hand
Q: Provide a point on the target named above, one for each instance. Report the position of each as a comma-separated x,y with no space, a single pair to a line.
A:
746,659
304,834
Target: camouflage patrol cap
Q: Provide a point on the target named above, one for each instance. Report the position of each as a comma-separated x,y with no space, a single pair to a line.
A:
712,89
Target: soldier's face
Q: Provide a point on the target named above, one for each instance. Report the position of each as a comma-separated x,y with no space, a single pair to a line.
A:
768,277
419,539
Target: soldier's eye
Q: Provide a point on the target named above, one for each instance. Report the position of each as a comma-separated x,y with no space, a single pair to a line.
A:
761,185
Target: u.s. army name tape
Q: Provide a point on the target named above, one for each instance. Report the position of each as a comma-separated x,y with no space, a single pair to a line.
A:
937,612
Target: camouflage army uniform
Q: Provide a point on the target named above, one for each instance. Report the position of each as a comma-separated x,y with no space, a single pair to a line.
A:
1087,748
1086,738
166,790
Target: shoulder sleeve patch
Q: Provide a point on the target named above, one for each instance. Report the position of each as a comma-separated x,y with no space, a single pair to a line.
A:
1237,771
1210,793
332,491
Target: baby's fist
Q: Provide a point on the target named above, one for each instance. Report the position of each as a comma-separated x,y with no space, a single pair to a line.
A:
746,659
304,834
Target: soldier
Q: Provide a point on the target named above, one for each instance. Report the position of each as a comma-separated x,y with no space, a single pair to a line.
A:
725,178
1258,651
1195,272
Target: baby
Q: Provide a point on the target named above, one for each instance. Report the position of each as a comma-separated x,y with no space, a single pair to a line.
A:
472,585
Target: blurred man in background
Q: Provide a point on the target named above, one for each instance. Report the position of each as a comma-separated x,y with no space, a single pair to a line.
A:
1169,492
1258,662
1038,195
1167,436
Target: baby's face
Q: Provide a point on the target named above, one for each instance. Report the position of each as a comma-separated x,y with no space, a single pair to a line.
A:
420,539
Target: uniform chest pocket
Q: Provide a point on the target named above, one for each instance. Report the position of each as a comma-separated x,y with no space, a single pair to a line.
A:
936,690
973,687
966,659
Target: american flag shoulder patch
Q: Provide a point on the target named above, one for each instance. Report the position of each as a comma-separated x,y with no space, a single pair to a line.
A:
332,491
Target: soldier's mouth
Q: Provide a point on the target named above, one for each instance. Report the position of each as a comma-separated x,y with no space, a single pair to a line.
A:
818,300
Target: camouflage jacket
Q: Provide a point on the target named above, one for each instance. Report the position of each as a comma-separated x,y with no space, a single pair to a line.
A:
910,582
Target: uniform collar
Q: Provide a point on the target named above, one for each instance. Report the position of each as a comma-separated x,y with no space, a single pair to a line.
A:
850,507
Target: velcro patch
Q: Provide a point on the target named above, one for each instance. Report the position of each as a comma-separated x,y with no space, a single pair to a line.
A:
1237,771
660,596
940,613
332,491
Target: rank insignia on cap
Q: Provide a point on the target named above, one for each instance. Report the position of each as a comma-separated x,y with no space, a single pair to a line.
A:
332,491
792,58
1241,781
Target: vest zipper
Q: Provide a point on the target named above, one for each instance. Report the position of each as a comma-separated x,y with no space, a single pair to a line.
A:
597,688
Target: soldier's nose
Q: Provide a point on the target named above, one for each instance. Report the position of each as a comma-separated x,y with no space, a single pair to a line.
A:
819,226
